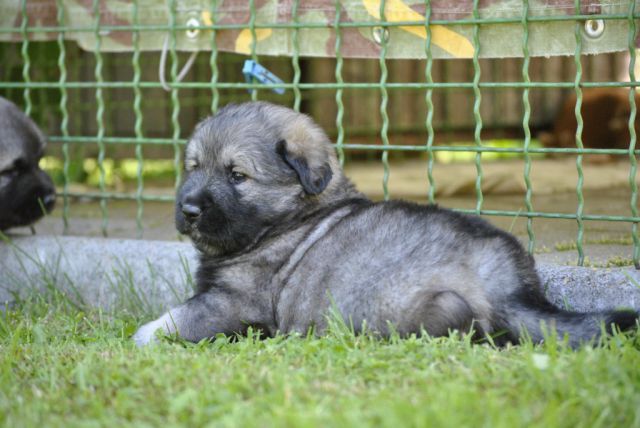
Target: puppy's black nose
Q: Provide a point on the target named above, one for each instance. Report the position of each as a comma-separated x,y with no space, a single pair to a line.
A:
191,212
49,201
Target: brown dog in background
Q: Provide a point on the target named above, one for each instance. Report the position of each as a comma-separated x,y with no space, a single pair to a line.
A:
605,115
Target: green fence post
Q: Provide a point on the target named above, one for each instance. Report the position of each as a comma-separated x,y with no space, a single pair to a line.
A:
295,58
340,82
525,122
100,115
429,101
632,33
476,107
254,41
384,99
137,102
64,125
578,113
175,100
26,66
213,59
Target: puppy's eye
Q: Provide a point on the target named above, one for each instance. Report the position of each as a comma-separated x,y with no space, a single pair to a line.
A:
237,177
191,164
20,165
9,173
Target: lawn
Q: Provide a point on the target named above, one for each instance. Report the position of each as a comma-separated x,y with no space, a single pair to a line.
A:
64,365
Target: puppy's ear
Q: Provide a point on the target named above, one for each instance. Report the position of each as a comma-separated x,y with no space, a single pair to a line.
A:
314,178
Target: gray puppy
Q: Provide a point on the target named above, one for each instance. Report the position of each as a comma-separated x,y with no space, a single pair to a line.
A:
26,191
284,236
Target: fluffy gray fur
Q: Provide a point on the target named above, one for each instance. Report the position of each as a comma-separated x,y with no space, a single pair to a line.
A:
284,236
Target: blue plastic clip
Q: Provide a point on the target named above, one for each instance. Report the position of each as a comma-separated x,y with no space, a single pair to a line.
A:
253,70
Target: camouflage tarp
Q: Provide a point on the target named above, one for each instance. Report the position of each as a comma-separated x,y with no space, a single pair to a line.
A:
404,41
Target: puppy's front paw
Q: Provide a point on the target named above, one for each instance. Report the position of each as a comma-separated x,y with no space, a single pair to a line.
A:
147,333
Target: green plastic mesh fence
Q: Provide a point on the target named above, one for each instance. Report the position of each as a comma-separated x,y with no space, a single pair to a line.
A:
125,82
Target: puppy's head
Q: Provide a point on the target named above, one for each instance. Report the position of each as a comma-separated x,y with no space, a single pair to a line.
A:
250,167
26,191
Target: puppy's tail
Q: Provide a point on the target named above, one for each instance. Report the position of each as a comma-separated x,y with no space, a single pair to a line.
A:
543,318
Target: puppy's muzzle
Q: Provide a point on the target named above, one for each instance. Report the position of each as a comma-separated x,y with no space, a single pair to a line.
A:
194,205
191,212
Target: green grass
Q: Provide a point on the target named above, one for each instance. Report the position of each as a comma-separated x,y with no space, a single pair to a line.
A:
615,261
115,171
125,170
449,157
603,240
63,366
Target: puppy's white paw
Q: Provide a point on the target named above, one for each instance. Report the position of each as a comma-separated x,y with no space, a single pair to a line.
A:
147,333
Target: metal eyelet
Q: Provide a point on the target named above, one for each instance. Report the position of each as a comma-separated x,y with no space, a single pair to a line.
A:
380,35
192,32
594,28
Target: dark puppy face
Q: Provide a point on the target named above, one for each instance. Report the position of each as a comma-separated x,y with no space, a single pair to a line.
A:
26,192
250,167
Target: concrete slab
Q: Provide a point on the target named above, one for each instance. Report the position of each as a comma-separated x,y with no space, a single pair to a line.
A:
107,273
153,275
